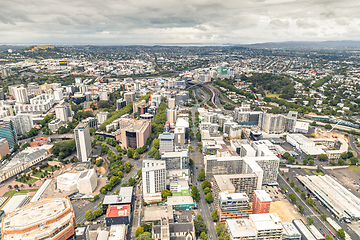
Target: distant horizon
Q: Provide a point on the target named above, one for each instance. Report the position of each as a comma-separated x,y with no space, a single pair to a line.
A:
178,44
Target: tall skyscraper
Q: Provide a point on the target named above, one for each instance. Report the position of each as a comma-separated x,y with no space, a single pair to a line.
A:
83,142
7,130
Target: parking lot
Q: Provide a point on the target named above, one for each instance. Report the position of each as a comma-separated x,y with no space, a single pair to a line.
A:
274,192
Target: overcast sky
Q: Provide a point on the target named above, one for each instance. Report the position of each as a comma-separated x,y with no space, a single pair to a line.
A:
177,21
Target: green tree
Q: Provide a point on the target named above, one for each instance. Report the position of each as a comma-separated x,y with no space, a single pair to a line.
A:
341,233
165,193
209,197
198,136
128,167
89,215
191,148
323,216
144,236
354,160
130,153
310,220
303,195
199,217
344,155
200,227
132,181
341,162
136,155
157,155
328,238
207,190
291,159
191,134
156,143
206,184
16,146
311,163
310,201
283,189
292,184
350,154
98,212
305,162
203,236
139,230
191,162
292,197
139,173
99,162
286,155
323,157
92,131
301,208
195,193
214,215
201,176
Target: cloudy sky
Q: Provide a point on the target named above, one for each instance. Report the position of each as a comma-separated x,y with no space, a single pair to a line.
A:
177,21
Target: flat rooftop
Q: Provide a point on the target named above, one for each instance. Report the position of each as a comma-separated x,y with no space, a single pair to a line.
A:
263,195
178,200
224,181
155,213
240,228
225,196
124,197
266,221
118,211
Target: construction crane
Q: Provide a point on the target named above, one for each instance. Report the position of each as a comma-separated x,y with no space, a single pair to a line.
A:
334,127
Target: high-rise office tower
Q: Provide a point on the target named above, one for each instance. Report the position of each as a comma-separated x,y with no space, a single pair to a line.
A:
7,130
20,95
83,142
153,176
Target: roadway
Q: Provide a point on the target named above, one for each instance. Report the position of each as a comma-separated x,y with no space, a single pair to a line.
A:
203,206
353,146
308,211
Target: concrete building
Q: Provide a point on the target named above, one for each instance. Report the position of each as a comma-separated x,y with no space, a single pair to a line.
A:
118,232
101,117
290,121
51,218
104,95
7,130
63,112
304,230
24,160
269,165
15,202
257,227
272,123
136,134
234,183
171,115
233,206
58,95
290,232
299,141
4,147
22,123
118,214
120,103
55,124
156,213
129,97
176,160
20,95
166,142
140,107
171,102
83,142
180,134
39,104
261,202
155,100
85,182
181,203
124,197
153,176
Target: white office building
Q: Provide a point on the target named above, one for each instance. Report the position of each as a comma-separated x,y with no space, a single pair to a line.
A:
83,142
58,94
63,112
22,123
20,95
101,117
153,176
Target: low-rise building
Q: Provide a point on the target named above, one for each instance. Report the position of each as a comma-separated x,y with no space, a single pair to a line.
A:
135,135
179,203
257,227
118,214
85,181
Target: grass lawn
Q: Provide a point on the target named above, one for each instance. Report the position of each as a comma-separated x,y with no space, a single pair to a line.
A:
306,170
317,173
11,193
38,174
30,181
354,168
48,168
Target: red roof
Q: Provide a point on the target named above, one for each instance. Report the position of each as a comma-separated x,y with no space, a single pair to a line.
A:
118,211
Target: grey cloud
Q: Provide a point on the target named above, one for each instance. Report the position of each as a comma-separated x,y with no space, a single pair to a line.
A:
303,23
277,23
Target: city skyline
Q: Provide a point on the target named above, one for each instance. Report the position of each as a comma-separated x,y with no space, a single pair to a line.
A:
173,22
